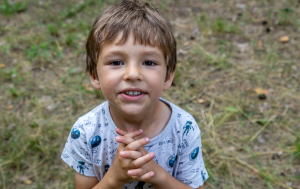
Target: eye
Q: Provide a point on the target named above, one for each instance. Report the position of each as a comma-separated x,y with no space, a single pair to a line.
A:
149,63
116,63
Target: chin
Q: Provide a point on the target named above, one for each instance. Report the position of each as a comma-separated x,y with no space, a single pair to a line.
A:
132,111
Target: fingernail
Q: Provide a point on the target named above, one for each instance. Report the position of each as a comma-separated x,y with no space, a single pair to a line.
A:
130,172
140,130
152,155
118,138
147,139
122,153
151,174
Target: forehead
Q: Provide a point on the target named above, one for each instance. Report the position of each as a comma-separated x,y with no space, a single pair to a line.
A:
117,45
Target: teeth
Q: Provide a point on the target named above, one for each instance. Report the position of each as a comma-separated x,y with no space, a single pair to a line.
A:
133,93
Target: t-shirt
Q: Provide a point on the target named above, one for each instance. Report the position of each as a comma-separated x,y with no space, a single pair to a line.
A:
91,147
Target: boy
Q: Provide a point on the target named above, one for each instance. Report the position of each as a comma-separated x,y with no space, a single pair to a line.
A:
131,57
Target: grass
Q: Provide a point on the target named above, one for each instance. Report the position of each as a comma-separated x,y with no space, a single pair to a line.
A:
247,142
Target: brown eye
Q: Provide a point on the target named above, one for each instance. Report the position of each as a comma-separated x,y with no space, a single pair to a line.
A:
149,63
116,63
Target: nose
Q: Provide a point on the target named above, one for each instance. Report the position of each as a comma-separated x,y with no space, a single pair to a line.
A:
132,73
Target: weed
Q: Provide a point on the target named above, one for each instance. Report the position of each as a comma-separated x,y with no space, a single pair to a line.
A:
284,16
77,9
53,29
9,8
220,25
268,177
70,40
297,152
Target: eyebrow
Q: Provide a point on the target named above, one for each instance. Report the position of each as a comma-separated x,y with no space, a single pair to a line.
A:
152,53
120,53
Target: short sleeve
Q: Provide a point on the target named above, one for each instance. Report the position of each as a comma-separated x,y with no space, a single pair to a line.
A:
77,153
191,169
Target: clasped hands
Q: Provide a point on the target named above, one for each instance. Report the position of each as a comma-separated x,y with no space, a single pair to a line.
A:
132,161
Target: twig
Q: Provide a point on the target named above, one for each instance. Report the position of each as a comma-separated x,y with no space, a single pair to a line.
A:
3,177
11,160
261,129
230,173
256,170
191,100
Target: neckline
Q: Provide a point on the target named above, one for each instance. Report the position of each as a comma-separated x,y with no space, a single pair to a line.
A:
155,139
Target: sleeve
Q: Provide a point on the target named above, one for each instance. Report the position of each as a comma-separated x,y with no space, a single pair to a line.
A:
77,153
191,169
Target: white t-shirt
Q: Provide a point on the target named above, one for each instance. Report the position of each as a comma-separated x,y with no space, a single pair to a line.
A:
91,147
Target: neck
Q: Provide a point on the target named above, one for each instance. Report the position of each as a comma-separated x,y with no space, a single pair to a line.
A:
152,122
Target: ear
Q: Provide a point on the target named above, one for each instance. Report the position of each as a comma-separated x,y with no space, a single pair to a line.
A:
95,82
168,82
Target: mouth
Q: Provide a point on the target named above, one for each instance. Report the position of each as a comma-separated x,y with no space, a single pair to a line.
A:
133,92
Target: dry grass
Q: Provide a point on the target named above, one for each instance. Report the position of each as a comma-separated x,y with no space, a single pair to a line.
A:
226,49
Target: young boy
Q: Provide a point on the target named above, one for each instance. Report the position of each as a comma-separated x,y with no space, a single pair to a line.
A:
131,57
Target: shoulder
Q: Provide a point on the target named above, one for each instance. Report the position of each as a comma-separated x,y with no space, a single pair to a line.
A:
184,119
91,116
87,124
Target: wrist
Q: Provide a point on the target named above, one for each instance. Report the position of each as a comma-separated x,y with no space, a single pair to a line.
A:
160,177
111,179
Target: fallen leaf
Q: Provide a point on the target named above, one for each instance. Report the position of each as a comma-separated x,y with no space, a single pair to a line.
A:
243,47
87,87
201,100
182,52
259,91
284,39
27,181
2,65
186,43
259,44
9,107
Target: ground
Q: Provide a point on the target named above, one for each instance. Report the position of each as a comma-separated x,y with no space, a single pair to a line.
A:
237,74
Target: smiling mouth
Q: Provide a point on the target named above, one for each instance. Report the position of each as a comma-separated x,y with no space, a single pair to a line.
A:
132,93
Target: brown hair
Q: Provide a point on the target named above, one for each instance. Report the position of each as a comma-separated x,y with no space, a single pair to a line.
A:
147,24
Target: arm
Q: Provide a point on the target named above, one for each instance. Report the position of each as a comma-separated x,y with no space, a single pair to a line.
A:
117,175
168,181
84,182
161,179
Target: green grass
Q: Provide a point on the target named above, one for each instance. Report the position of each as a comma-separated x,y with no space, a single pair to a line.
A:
247,142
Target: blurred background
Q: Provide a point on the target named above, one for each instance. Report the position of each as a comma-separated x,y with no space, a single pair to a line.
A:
237,74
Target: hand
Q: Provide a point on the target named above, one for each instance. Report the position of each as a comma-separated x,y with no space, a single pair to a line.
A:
142,163
127,157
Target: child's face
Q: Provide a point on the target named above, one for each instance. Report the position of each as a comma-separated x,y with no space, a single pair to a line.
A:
131,76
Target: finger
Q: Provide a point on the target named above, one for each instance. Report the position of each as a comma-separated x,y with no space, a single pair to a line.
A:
121,132
134,133
136,172
131,154
130,129
125,140
129,137
133,146
142,160
144,177
130,134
